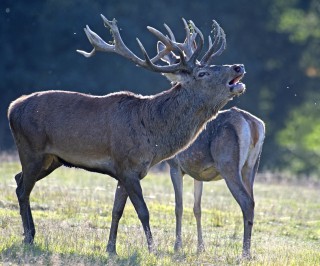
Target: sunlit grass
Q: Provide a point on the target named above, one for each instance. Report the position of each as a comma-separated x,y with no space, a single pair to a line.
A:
72,212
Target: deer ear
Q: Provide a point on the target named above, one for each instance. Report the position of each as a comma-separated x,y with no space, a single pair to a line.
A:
173,78
170,58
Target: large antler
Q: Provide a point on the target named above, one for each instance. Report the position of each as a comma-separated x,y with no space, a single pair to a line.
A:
188,51
219,36
190,48
120,48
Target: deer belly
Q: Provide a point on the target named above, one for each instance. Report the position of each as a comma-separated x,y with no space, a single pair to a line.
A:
209,174
203,173
104,165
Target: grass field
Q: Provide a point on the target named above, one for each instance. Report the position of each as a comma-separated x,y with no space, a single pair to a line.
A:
72,213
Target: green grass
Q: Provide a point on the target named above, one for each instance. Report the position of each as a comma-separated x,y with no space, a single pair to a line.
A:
72,212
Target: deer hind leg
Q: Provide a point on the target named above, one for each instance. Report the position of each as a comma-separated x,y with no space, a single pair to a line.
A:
33,169
25,183
177,181
198,186
228,152
120,200
25,210
246,202
249,172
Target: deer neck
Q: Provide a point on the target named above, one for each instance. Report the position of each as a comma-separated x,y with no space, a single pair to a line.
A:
176,117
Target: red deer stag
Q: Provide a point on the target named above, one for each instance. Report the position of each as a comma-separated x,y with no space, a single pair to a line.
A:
121,134
229,148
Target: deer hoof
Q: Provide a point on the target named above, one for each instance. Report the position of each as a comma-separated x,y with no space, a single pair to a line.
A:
200,248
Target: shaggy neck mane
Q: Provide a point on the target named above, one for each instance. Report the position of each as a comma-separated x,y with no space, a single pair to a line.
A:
175,117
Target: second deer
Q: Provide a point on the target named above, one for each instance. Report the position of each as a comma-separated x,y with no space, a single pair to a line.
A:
229,148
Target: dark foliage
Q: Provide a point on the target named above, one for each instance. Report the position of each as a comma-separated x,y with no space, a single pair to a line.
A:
39,41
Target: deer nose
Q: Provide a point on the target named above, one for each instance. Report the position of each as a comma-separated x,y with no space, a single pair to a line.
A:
239,68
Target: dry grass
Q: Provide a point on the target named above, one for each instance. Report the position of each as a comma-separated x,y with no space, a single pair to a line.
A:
72,213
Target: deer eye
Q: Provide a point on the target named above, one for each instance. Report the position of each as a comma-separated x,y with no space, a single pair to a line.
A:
202,74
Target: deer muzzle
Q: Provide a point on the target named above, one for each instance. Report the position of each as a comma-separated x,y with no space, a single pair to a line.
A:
237,87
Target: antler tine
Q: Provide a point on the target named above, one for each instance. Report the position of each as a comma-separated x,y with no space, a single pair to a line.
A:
149,63
218,35
190,37
156,68
119,46
100,45
160,36
210,41
222,47
146,56
188,50
170,32
96,41
170,45
182,48
188,45
198,50
186,27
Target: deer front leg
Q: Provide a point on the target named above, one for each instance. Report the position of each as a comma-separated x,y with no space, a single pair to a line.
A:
119,203
177,181
134,190
198,186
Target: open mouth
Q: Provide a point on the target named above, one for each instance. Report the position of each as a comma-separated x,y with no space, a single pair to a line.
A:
236,86
235,80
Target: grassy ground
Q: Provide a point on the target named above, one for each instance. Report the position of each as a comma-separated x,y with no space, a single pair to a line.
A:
72,213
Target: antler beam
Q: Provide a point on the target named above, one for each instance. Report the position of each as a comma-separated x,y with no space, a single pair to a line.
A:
120,48
188,51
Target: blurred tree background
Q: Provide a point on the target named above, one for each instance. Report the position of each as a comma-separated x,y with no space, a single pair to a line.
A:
278,41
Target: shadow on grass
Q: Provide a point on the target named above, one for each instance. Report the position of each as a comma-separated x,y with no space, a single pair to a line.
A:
22,254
